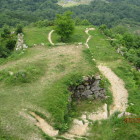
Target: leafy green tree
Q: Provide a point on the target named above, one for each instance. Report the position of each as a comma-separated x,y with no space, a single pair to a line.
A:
19,29
5,32
10,44
103,27
64,26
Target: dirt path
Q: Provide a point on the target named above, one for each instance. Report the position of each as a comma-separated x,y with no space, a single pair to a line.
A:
120,94
44,126
50,37
80,126
89,36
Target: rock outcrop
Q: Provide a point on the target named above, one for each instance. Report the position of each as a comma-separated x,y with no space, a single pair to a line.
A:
20,42
88,89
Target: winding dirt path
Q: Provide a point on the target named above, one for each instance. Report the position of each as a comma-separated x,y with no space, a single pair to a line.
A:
50,37
44,126
120,94
89,36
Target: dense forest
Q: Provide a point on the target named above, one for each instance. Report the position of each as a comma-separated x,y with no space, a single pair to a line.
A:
111,12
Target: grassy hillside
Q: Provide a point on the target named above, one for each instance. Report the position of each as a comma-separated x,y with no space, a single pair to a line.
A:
38,81
115,128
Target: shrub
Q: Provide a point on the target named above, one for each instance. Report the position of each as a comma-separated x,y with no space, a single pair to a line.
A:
10,44
19,29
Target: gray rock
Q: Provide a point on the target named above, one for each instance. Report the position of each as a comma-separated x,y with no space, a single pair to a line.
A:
102,96
77,94
81,87
96,83
97,94
88,87
95,88
90,97
86,93
125,114
86,84
102,91
98,77
121,114
85,78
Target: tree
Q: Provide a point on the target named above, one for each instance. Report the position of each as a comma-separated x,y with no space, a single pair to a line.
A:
19,29
10,44
6,32
64,26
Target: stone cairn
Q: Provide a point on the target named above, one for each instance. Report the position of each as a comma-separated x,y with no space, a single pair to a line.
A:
88,89
20,42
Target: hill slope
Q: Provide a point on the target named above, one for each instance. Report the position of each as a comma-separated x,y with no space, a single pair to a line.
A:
38,81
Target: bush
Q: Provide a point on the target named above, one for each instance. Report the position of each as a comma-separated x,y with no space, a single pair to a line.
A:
64,26
19,29
137,62
6,32
10,44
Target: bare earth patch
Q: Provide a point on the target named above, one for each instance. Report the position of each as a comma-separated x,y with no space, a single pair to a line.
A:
44,126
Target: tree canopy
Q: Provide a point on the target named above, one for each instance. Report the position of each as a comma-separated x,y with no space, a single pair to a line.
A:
64,26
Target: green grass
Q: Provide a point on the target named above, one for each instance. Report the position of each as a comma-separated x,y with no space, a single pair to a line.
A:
49,72
23,73
34,35
43,88
114,129
55,97
104,53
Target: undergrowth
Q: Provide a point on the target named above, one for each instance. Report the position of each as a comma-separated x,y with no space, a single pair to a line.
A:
22,74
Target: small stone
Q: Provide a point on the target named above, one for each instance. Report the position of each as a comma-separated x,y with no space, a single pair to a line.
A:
86,84
87,87
81,87
11,73
97,94
90,97
84,117
95,88
78,122
102,96
128,114
121,114
131,104
87,92
96,83
102,91
80,43
98,77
